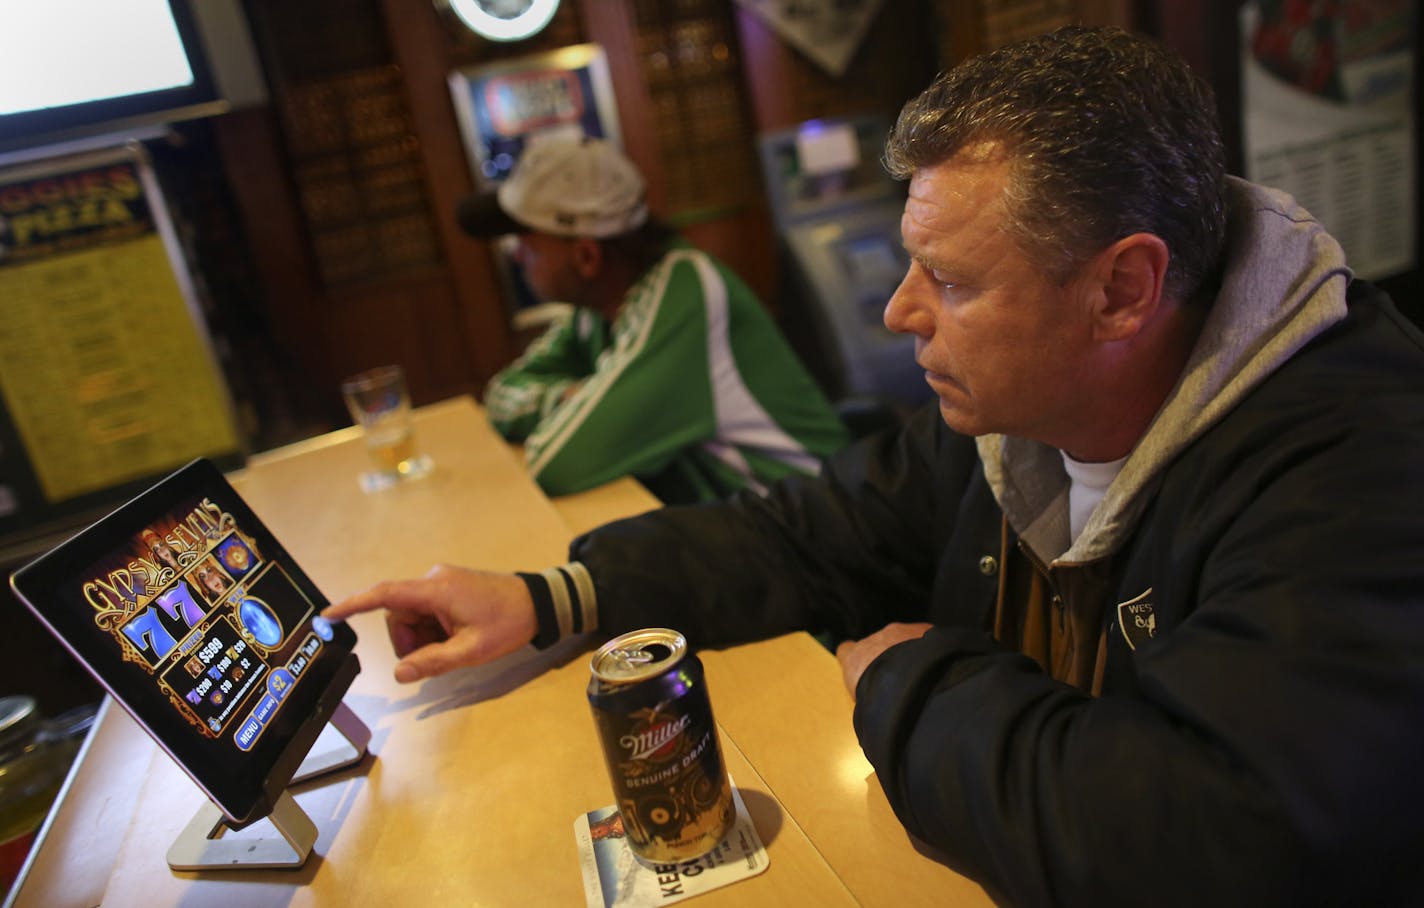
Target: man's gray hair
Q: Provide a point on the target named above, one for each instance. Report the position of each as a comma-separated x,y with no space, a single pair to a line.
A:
1106,134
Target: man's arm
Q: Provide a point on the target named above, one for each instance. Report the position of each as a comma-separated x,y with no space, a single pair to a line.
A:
524,394
845,552
841,551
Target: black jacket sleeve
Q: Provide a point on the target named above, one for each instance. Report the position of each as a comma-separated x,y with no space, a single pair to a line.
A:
845,552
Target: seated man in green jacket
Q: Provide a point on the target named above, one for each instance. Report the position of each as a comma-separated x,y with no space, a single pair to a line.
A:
666,367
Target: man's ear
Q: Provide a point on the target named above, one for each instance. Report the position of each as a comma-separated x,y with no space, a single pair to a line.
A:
1131,274
588,257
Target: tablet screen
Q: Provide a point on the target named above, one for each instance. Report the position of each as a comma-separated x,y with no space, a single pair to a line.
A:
190,613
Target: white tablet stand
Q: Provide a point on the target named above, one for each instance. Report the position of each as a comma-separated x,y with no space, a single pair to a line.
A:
201,845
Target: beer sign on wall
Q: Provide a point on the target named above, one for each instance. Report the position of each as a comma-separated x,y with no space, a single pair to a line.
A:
501,106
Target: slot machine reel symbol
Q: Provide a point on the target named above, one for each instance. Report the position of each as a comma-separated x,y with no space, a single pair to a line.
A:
259,621
235,557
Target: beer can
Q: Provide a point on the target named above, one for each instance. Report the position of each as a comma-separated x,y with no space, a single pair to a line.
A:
650,704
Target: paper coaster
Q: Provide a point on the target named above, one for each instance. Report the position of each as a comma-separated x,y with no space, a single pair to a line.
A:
613,877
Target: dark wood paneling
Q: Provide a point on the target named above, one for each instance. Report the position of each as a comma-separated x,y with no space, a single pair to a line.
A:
348,183
478,313
897,58
611,26
253,160
1204,32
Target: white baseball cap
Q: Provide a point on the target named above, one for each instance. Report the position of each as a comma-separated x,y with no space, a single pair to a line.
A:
577,187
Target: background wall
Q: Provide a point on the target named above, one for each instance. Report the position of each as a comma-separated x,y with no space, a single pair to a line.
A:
337,247
320,222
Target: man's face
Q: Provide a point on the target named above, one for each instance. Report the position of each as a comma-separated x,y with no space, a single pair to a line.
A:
1001,344
549,268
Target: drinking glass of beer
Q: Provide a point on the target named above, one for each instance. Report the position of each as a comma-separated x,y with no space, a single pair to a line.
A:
380,405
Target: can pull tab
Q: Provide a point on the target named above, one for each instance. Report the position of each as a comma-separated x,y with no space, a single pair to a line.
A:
632,656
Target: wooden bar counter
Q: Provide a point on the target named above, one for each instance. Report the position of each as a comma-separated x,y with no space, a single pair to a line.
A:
474,779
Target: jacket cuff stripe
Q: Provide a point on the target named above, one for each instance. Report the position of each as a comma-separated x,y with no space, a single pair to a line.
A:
563,608
548,633
584,595
564,602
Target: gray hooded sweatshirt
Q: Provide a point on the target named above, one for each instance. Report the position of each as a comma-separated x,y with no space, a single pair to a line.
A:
1285,285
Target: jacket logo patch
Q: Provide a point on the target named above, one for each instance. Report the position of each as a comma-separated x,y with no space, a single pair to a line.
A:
1137,619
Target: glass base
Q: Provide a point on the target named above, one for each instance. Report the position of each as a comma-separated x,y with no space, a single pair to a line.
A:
415,468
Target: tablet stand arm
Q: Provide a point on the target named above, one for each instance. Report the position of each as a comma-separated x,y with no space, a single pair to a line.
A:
349,751
201,845
197,849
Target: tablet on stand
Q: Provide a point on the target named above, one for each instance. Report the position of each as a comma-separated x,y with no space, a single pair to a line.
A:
195,620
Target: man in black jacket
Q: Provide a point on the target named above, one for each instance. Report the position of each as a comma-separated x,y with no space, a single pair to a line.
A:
1137,616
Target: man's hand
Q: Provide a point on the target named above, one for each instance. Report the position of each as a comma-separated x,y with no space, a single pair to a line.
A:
450,618
855,655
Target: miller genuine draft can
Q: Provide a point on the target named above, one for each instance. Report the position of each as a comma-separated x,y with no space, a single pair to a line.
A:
650,704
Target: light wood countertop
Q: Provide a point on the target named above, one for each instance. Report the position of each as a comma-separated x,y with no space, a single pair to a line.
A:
475,778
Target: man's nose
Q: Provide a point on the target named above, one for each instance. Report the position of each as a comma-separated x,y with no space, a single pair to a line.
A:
905,313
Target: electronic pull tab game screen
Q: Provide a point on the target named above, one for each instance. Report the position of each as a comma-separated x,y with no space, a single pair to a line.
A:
191,614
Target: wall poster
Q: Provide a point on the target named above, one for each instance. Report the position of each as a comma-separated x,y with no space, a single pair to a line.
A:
107,375
1329,116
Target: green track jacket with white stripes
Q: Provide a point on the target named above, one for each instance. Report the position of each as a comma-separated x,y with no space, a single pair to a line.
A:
691,388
